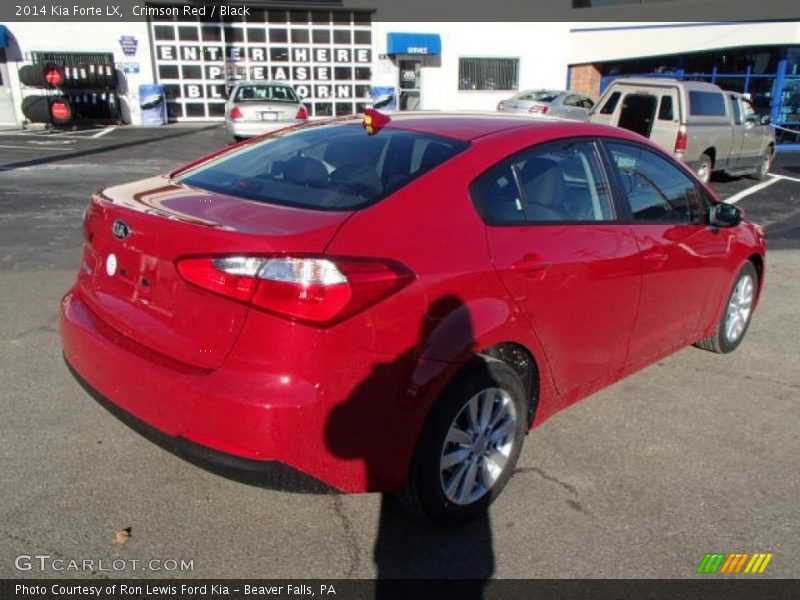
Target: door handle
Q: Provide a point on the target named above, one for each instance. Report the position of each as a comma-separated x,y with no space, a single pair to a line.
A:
535,269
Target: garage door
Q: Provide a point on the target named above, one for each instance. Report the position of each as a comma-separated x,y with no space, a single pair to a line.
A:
324,55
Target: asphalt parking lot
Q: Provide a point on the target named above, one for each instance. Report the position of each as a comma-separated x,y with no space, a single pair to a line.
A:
695,454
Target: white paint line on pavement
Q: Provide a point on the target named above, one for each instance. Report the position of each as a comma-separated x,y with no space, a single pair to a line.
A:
752,190
35,148
795,179
103,132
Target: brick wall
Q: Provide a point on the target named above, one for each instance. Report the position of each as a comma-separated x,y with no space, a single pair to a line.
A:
585,79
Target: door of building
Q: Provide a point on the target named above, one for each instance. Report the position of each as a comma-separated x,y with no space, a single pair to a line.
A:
410,83
7,114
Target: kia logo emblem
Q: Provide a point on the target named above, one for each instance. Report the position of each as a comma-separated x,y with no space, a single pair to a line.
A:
120,229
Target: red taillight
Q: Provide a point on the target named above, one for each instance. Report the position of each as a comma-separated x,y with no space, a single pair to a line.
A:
539,109
236,113
302,113
682,141
501,105
318,290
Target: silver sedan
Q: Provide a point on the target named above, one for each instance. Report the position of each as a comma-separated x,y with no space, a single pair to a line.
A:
553,103
256,107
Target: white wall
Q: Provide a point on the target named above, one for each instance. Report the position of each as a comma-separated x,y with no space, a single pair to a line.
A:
598,42
542,49
84,37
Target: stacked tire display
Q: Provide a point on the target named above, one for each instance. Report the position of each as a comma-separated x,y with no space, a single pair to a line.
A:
84,92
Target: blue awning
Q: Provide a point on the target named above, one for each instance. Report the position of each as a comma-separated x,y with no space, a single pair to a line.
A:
413,43
3,36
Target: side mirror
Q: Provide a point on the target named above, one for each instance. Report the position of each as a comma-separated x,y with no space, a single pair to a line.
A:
724,215
766,119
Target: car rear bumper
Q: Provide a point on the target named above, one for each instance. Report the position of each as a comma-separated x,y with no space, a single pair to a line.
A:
252,416
245,129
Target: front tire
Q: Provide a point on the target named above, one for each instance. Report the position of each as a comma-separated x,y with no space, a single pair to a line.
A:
704,168
737,316
763,168
470,444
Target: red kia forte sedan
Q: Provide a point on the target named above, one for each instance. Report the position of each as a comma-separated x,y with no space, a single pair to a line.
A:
393,312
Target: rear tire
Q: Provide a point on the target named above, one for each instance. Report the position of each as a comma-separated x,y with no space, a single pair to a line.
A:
470,444
704,168
234,139
735,321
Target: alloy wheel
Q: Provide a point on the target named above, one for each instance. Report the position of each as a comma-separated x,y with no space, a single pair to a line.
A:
739,308
478,445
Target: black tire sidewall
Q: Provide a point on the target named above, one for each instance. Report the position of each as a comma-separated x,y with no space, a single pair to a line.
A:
426,482
724,344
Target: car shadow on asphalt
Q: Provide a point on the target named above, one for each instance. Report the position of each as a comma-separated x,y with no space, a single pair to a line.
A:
407,549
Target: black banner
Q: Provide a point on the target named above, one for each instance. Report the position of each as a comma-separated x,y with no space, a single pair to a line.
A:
48,11
359,589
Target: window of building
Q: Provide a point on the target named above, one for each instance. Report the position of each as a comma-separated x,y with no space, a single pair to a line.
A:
561,182
657,190
488,73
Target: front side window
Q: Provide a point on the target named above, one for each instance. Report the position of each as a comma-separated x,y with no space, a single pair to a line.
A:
488,73
336,167
610,104
657,190
561,182
737,112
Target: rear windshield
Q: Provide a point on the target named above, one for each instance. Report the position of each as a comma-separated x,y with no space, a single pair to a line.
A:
264,93
336,167
538,96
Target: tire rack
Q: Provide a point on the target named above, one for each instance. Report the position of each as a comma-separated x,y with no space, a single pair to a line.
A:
88,86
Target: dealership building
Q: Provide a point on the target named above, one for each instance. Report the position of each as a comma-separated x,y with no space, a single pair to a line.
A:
336,59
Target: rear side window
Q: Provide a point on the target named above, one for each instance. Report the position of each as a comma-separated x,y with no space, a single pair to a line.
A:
560,182
665,112
657,190
610,104
336,167
706,104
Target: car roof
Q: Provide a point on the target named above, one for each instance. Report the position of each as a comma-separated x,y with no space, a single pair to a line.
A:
660,81
470,126
262,82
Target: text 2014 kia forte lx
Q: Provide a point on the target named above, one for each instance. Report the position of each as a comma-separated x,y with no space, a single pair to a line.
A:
395,311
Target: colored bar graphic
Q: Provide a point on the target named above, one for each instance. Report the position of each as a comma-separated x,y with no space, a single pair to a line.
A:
722,563
711,562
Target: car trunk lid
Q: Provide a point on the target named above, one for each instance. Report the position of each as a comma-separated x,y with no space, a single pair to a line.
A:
136,232
281,112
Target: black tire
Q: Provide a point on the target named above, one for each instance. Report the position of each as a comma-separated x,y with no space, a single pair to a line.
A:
762,171
704,168
718,341
424,493
234,139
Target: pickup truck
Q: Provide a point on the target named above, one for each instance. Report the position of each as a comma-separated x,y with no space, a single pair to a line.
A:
707,128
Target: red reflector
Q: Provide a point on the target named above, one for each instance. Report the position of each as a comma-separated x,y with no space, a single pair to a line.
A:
682,141
302,113
236,113
60,110
54,77
204,273
539,109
